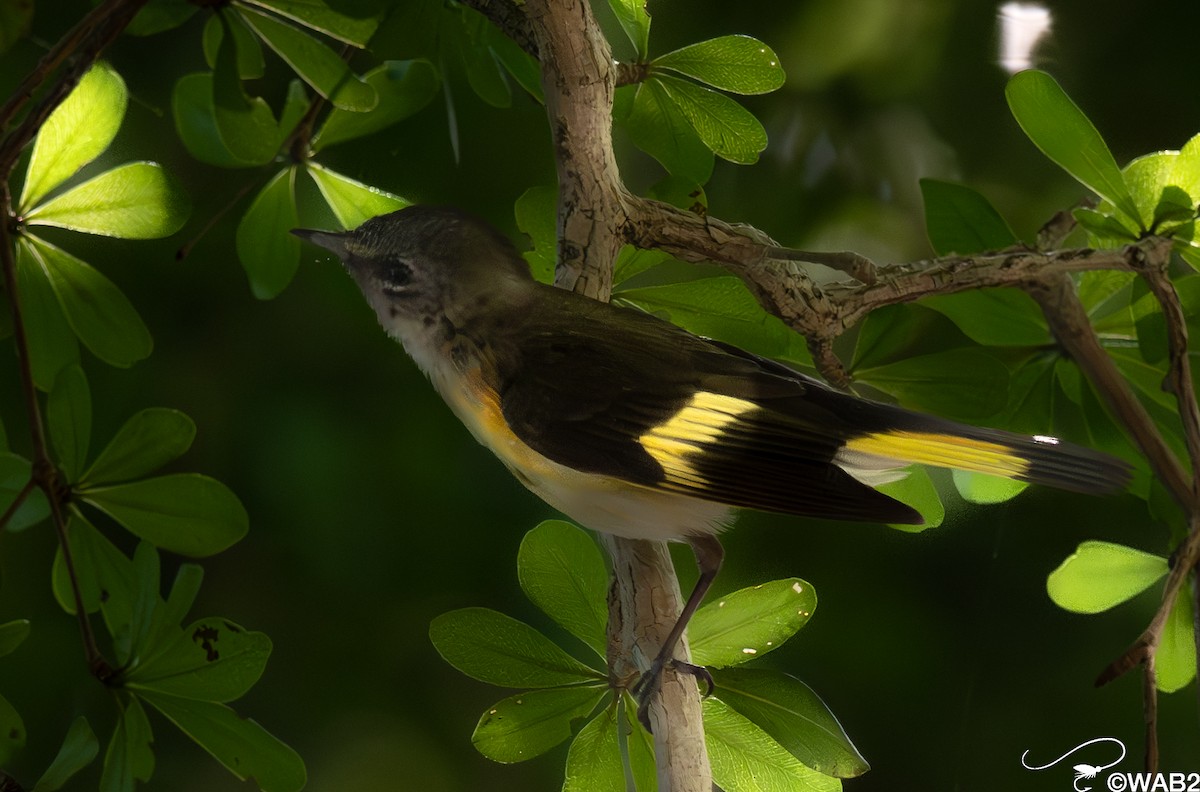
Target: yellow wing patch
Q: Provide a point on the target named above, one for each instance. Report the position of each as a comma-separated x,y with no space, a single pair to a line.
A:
942,450
675,442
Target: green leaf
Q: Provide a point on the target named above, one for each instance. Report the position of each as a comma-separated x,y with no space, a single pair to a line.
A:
984,489
1100,575
639,745
196,122
269,254
12,634
15,16
965,383
184,513
1103,230
916,489
353,203
635,21
722,308
895,333
246,749
562,572
246,126
745,759
739,64
101,316
681,193
69,417
14,475
76,132
12,731
137,200
404,87
315,63
1059,128
251,64
795,716
210,660
960,220
130,753
147,441
537,216
161,15
520,65
104,573
726,127
594,759
147,582
52,343
750,622
468,40
658,127
995,317
529,724
294,107
1152,183
350,21
500,650
634,261
1175,660
78,750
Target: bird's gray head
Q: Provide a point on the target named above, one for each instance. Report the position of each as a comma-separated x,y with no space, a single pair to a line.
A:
423,263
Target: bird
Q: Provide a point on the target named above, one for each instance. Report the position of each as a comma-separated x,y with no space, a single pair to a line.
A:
634,427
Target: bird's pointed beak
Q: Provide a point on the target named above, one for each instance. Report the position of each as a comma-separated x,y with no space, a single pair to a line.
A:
332,241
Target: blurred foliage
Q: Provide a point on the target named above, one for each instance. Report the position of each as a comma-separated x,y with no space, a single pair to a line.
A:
940,652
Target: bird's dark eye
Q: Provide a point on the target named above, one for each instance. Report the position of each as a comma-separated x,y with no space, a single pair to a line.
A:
395,277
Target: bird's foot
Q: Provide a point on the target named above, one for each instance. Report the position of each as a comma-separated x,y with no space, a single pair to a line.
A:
650,682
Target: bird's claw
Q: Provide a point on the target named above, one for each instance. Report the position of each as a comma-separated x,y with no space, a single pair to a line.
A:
650,682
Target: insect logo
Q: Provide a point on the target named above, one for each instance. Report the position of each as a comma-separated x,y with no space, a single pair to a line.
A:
1083,772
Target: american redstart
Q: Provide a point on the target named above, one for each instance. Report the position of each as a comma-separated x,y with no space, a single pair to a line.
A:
635,427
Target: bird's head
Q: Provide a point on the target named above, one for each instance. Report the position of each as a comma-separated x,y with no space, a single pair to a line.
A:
423,263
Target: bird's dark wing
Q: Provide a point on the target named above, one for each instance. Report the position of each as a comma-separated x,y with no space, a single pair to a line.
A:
625,395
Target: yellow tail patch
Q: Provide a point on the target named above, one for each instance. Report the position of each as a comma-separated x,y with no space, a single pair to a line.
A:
686,433
941,450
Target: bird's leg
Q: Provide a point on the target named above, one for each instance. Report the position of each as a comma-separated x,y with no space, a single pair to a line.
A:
709,555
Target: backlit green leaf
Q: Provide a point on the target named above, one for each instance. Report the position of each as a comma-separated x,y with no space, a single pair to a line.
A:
746,759
1103,230
658,127
960,220
185,513
635,21
147,441
1059,128
995,317
351,21
245,125
404,87
966,383
795,716
594,759
500,650
1175,661
530,723
52,343
101,316
739,64
562,572
726,127
76,132
196,123
12,634
134,201
14,475
12,731
210,660
246,749
1099,575
536,213
251,64
750,622
984,489
916,489
130,754
269,254
724,309
353,203
69,419
78,750
315,63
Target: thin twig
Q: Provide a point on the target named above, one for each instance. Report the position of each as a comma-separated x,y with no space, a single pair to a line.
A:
1150,712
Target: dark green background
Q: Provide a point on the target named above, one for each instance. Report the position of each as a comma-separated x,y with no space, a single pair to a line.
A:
373,511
